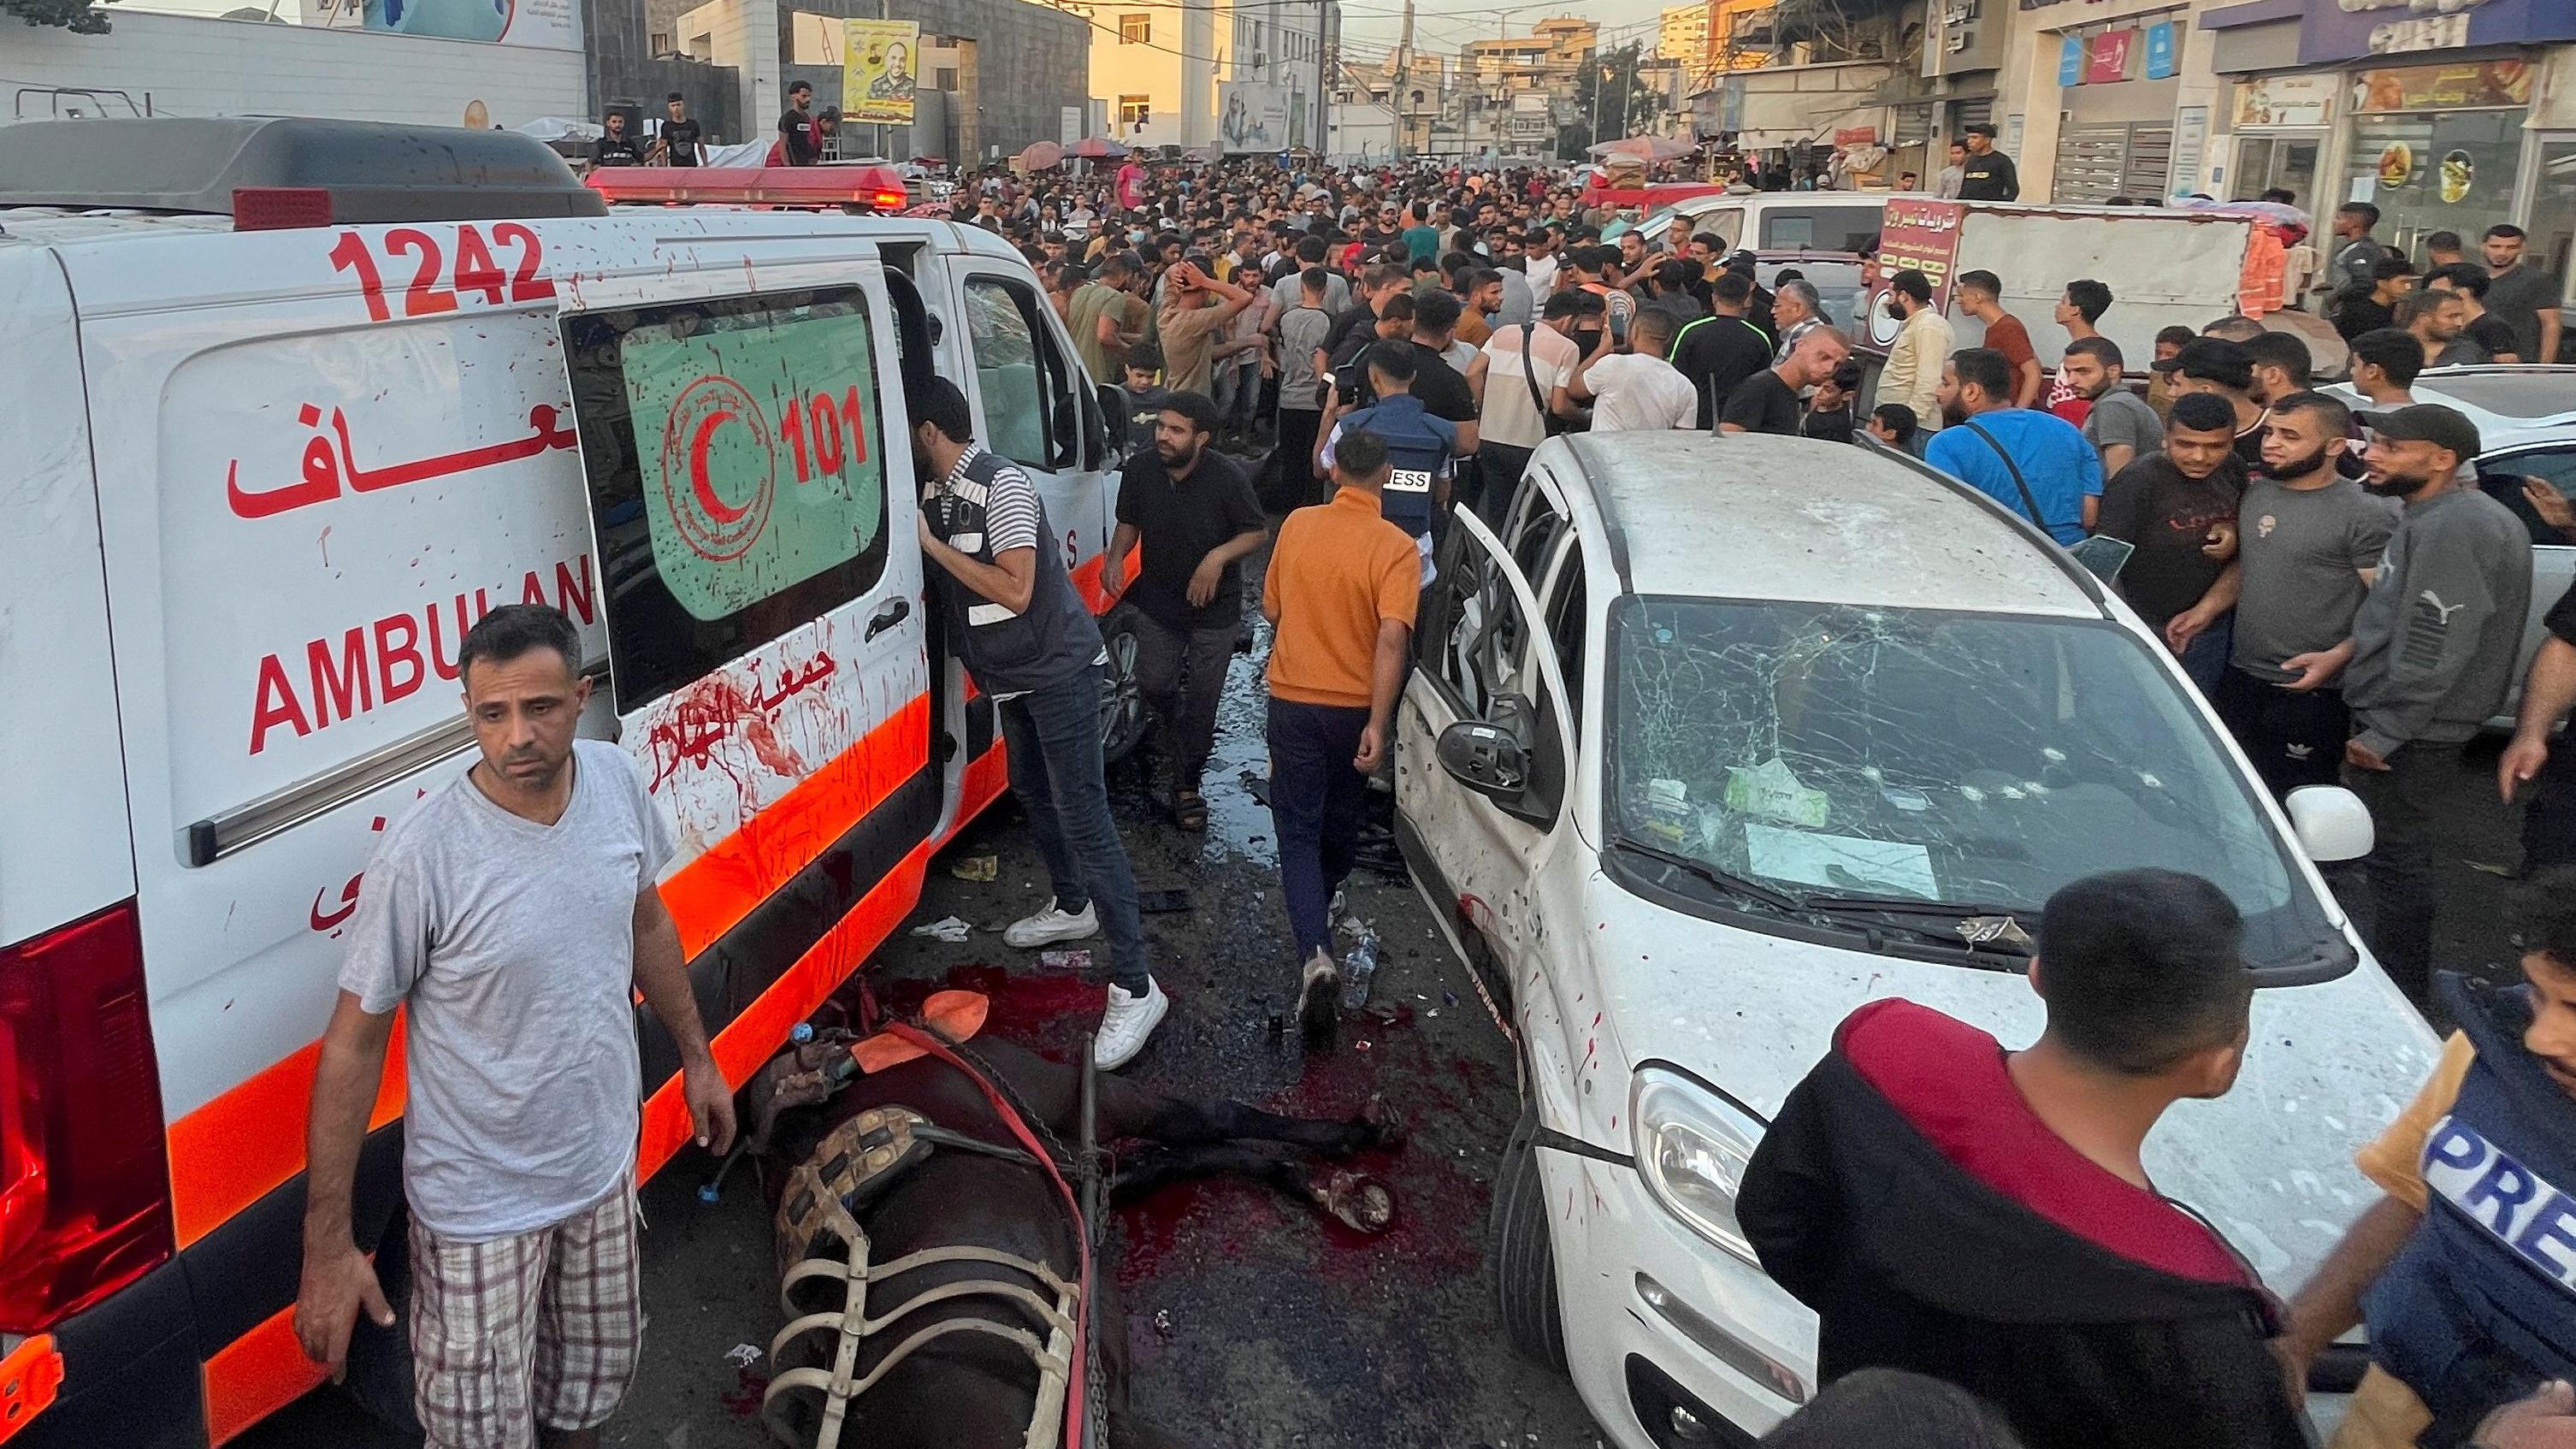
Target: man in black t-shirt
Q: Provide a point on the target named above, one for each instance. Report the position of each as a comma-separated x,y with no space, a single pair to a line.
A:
1768,401
2178,508
1376,287
1721,350
796,144
616,148
681,136
1194,510
1987,174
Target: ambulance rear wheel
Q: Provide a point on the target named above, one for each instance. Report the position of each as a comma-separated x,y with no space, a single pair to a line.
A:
379,1374
1123,720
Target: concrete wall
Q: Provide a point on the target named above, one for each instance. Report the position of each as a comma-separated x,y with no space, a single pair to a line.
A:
622,67
1028,61
195,66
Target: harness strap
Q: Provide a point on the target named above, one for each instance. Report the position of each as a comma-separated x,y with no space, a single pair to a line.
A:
1075,1395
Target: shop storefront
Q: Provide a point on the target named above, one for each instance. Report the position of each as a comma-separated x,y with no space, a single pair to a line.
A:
2116,94
2436,147
2280,125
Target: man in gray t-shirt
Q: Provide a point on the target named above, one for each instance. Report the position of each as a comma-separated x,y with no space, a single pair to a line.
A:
512,913
2119,424
2307,544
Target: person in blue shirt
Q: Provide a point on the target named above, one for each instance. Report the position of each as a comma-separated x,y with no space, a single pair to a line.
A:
2036,464
1421,450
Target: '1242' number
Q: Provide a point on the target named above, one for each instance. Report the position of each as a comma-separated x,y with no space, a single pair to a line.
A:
476,270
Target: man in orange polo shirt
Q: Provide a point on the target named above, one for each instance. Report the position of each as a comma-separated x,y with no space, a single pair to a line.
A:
1340,595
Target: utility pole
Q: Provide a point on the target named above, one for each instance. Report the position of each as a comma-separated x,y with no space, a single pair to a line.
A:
1323,74
1403,79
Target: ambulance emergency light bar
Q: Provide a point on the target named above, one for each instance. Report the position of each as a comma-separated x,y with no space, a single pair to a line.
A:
867,188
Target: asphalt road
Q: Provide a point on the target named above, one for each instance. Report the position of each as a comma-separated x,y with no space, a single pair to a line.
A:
1252,1322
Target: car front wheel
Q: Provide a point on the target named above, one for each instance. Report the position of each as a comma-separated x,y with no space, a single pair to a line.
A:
1524,1261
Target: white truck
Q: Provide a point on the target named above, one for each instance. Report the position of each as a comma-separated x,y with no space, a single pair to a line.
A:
2165,267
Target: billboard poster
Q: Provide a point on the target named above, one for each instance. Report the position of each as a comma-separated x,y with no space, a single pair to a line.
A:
2285,100
548,24
878,64
1921,235
1254,117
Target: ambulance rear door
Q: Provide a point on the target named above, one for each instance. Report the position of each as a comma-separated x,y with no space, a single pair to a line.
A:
750,503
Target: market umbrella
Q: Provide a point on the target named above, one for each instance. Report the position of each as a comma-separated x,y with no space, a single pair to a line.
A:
1645,148
1096,148
1041,155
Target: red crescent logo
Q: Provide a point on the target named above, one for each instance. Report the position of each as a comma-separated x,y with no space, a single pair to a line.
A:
711,527
699,483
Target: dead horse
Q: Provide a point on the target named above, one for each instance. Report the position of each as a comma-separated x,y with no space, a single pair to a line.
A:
968,1348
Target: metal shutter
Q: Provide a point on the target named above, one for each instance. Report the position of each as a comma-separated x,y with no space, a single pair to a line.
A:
2089,161
2150,163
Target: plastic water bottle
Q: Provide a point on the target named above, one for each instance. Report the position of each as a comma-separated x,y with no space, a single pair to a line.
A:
1357,967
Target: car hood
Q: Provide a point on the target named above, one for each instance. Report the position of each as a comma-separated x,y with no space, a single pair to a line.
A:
2270,1164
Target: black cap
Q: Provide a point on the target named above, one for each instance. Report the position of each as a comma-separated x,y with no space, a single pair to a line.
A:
2212,359
2426,423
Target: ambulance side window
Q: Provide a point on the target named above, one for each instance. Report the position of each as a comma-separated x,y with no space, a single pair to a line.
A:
1021,376
735,452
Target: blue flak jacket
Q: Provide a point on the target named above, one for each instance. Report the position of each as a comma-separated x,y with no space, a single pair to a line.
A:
2480,1307
1419,449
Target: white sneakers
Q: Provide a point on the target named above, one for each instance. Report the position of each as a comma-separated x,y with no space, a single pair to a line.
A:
1126,1024
1049,926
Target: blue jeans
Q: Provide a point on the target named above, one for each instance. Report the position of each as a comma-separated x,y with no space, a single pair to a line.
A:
1315,799
2204,659
1053,735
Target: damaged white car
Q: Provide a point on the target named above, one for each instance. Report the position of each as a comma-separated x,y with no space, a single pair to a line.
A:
1721,737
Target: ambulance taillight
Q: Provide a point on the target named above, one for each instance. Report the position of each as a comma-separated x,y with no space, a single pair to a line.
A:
84,1173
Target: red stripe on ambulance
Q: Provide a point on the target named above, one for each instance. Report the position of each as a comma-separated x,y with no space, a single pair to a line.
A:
368,666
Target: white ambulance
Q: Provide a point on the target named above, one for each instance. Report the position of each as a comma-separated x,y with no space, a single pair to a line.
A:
290,404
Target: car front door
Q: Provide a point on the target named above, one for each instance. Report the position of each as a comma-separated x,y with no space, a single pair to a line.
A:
1485,659
2553,550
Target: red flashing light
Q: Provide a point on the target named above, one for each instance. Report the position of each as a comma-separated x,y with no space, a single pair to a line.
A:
279,208
809,188
84,1173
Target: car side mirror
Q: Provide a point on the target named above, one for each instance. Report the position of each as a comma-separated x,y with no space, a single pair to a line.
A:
2330,821
1486,758
1113,415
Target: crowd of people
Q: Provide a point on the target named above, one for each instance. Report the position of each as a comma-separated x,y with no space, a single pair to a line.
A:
2337,581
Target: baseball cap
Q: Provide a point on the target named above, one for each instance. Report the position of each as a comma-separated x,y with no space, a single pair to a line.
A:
2212,359
2426,423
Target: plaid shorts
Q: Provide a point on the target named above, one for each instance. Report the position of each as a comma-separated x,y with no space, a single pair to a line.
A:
542,1328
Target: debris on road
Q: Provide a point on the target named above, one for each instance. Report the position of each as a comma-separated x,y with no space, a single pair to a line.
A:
946,928
743,1355
976,867
1076,960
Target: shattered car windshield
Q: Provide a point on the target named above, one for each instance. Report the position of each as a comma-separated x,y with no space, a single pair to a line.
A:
1826,753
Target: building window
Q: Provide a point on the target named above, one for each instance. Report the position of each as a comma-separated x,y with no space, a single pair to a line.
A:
1134,111
661,43
1135,29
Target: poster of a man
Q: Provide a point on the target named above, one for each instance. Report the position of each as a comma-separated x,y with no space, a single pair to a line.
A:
877,70
1255,117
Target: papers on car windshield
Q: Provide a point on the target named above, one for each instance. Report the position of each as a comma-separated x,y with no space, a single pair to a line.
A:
1839,862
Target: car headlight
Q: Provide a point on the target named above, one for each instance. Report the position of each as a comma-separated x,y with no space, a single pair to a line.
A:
1692,1148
